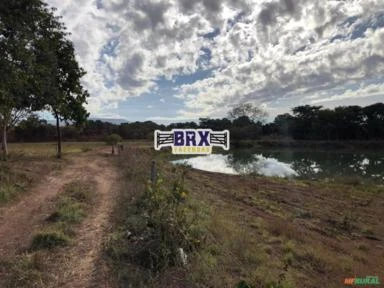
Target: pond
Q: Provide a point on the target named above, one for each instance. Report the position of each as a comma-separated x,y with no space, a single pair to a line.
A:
293,163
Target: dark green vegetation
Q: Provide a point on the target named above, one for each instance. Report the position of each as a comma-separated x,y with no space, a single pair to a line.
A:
113,140
39,68
350,127
341,166
253,231
341,123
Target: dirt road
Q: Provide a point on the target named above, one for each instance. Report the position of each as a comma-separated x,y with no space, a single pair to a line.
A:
20,220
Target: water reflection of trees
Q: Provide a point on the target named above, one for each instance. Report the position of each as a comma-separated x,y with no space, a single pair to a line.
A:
240,161
315,164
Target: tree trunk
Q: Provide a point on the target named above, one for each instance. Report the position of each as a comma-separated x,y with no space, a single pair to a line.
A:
4,144
58,137
113,149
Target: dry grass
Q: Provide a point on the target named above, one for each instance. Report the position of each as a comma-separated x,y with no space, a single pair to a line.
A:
29,161
32,269
271,232
47,150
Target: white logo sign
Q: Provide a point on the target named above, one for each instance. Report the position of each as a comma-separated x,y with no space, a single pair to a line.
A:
191,141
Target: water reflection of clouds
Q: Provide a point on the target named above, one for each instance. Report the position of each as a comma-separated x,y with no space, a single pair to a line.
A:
269,167
212,163
303,164
228,165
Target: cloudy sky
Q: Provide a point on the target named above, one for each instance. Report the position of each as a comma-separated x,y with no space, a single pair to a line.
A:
176,60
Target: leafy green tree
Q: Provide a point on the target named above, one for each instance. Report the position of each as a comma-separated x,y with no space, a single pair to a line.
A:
215,124
19,20
38,67
284,123
113,140
305,118
350,122
59,72
374,121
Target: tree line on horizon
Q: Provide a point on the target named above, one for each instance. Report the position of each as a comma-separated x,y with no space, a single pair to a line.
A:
304,123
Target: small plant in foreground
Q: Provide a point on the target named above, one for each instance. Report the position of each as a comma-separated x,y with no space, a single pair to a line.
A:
26,271
242,284
171,225
49,240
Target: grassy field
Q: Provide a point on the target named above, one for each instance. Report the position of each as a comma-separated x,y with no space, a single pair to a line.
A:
198,229
254,231
29,161
47,150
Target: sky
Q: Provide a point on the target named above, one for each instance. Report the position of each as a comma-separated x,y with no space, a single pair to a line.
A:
180,60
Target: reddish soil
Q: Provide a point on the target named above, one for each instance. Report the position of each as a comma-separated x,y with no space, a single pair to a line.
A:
80,264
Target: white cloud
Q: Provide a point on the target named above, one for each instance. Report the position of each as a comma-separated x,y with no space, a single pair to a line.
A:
264,51
361,92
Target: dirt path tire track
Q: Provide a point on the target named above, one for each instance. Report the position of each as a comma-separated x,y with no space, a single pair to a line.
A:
20,219
82,265
85,267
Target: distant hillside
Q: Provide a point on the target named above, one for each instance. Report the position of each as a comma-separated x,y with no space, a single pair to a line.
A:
111,120
106,120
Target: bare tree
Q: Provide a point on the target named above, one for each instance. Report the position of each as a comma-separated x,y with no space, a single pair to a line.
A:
248,110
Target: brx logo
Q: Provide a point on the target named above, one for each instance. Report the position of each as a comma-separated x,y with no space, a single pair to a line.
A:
191,141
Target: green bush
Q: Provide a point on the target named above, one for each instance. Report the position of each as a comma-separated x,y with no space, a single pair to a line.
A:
49,240
242,284
70,210
171,224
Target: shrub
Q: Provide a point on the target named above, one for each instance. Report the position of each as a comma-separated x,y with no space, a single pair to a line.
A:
113,140
242,284
171,224
49,240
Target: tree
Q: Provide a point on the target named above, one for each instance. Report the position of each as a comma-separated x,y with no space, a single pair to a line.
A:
61,91
305,118
18,22
34,129
249,110
350,122
113,140
374,120
215,124
8,119
38,66
283,124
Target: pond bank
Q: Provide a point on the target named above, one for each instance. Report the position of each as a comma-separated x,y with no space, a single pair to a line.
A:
264,231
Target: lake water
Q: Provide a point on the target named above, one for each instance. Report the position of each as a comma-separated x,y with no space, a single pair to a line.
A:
288,163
